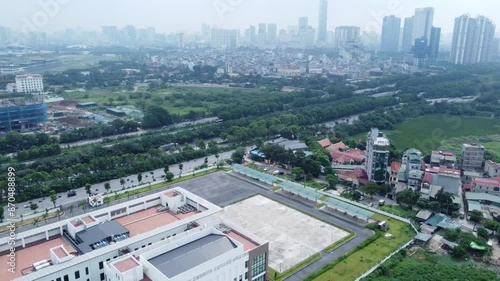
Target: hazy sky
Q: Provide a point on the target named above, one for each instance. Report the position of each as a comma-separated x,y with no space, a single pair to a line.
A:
188,15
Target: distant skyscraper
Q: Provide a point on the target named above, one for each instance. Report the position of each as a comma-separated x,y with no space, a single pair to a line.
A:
303,23
420,48
407,35
323,19
110,33
344,34
3,36
422,23
390,34
206,32
472,40
253,38
434,43
225,38
130,33
151,34
496,46
272,33
262,34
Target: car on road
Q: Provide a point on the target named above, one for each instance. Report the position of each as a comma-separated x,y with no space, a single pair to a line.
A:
72,193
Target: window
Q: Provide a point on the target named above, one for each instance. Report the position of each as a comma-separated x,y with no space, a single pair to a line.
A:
58,279
108,259
259,264
66,277
101,265
103,277
86,271
246,264
77,274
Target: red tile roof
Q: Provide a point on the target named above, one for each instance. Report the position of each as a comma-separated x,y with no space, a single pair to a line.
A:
428,178
488,182
325,142
339,146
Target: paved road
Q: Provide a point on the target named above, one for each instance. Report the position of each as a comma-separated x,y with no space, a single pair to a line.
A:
151,176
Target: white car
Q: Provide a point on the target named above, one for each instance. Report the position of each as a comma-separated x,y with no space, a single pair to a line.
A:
266,169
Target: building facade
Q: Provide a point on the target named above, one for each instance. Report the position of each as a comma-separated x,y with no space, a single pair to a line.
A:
29,83
225,38
21,117
168,236
407,35
434,42
323,20
391,29
377,156
345,34
473,40
472,156
492,169
422,23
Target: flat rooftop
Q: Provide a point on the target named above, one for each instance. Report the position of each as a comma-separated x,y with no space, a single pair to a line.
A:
98,233
149,219
190,255
88,219
247,243
126,265
292,235
26,257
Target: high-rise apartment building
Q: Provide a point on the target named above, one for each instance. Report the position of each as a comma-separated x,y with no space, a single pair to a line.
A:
407,35
272,34
473,40
391,29
262,34
435,41
323,20
377,156
225,38
345,34
422,23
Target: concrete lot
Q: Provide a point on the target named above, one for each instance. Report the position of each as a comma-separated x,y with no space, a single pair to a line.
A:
292,235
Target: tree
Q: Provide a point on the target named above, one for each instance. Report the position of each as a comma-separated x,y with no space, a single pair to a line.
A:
1,214
53,197
122,182
434,206
166,169
238,155
408,196
298,172
71,207
88,189
482,232
83,205
476,216
332,181
156,116
33,207
107,186
422,203
373,188
45,215
201,145
180,168
169,176
139,177
445,199
36,221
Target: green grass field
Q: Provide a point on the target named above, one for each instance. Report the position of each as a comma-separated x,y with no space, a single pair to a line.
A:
362,260
177,105
428,132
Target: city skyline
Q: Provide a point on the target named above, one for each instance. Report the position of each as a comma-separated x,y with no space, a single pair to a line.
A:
54,15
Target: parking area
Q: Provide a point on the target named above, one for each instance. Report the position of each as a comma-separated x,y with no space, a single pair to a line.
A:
292,235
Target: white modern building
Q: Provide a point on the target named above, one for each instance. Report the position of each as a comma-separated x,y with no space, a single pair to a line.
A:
473,40
168,236
377,156
422,24
492,169
29,83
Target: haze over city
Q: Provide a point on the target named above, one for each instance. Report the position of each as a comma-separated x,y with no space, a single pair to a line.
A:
178,16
